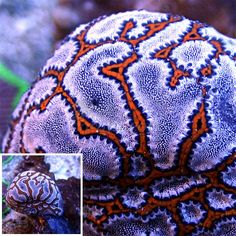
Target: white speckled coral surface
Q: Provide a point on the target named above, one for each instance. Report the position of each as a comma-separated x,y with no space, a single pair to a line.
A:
149,99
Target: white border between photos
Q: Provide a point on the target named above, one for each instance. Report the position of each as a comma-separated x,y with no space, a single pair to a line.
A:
47,154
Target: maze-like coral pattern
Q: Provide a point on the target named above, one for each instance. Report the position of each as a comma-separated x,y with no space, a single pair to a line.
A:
34,193
149,99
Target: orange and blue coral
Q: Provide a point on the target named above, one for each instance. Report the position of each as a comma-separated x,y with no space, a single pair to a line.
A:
34,193
149,99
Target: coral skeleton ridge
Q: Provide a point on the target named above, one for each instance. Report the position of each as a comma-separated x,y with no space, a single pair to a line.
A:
149,98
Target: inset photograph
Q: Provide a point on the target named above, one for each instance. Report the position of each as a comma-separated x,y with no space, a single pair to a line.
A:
41,194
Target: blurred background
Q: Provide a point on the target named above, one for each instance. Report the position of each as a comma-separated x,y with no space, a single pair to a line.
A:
30,31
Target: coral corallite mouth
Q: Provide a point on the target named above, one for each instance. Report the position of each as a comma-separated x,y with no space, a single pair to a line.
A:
149,99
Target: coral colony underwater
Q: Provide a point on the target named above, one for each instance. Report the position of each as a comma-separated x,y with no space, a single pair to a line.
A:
46,193
149,99
38,187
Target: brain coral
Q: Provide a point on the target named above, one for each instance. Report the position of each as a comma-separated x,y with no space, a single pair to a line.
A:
149,99
34,193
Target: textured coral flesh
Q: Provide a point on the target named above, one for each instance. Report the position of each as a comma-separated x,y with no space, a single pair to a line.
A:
149,99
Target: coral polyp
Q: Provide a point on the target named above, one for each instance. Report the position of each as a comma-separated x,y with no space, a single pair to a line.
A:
149,99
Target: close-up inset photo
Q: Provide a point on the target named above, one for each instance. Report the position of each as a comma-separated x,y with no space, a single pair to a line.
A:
41,194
